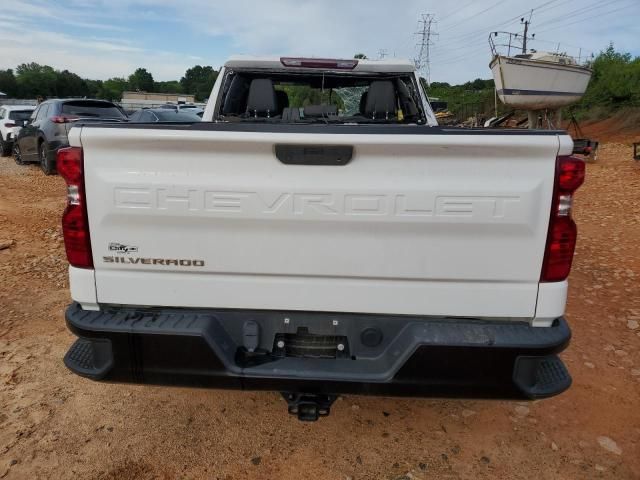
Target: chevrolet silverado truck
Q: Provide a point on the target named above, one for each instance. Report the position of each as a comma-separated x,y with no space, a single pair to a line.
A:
319,234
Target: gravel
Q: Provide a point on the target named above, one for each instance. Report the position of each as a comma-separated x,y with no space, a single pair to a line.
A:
50,420
609,445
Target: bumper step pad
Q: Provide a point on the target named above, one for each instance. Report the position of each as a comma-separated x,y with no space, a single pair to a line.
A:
90,358
540,377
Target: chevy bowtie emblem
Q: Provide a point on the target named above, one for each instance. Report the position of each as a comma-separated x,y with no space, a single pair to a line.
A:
120,248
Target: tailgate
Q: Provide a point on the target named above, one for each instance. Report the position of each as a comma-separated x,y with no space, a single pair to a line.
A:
447,224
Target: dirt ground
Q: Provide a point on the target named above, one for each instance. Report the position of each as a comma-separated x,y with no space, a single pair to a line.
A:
54,424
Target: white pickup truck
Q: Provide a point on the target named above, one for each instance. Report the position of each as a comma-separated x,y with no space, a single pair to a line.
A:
319,234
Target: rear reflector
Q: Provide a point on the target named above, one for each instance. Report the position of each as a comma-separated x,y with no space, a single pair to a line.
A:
75,224
560,247
319,63
562,235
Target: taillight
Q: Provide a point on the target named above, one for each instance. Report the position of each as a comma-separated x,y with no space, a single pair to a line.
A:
9,125
75,224
64,118
562,235
348,64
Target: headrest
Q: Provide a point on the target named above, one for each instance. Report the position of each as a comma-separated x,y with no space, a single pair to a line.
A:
381,100
262,98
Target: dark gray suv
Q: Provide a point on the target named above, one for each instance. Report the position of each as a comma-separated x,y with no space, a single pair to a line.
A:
48,128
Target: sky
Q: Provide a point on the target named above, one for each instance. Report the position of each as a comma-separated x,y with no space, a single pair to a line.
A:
101,39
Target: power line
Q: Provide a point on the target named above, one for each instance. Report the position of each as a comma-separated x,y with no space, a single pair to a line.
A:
456,11
553,20
474,15
557,21
449,14
588,18
423,60
473,52
542,6
469,35
578,13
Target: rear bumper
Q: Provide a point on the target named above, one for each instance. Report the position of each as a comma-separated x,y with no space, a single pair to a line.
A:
402,355
56,144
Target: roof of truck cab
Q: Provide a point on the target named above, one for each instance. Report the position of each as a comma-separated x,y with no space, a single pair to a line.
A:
394,65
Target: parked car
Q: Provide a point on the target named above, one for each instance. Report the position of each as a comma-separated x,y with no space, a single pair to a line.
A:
152,115
12,118
48,128
348,247
184,107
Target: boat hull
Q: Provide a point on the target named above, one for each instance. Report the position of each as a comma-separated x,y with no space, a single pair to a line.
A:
537,84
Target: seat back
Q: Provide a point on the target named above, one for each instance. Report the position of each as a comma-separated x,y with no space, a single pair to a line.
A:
262,101
381,100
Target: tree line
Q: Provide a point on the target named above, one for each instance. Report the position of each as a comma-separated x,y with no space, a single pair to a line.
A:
467,99
615,82
31,80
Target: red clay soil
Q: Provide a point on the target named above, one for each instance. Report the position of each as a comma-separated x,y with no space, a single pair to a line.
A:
56,425
623,127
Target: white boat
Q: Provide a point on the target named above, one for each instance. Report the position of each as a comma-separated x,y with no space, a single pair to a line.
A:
539,80
533,80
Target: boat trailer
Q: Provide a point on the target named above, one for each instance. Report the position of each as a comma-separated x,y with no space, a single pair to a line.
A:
582,146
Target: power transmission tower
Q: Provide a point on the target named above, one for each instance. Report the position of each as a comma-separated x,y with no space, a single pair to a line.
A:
425,42
382,53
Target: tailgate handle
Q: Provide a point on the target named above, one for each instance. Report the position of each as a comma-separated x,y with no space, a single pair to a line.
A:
314,154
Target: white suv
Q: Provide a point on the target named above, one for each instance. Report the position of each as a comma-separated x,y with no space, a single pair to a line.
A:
12,118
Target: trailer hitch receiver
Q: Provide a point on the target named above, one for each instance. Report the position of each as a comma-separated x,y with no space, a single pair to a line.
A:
309,406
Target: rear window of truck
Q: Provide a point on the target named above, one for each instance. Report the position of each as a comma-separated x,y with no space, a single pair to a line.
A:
276,97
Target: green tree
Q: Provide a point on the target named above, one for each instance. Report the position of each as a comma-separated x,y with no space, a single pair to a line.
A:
94,87
199,81
172,86
304,95
8,83
141,80
615,81
70,85
438,85
34,79
470,98
478,84
112,89
360,56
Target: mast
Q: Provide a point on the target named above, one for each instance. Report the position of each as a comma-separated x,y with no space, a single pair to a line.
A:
526,24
